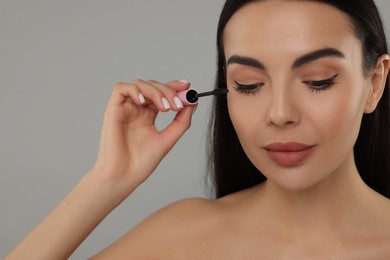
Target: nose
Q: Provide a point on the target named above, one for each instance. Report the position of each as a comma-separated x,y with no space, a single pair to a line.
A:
283,109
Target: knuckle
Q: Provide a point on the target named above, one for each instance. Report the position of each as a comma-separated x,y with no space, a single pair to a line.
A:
170,92
152,81
157,95
137,81
121,86
118,85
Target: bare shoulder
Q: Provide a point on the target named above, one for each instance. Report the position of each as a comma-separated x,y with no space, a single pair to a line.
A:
378,228
172,232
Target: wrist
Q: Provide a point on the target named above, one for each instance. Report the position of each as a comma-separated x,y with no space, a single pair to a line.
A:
112,188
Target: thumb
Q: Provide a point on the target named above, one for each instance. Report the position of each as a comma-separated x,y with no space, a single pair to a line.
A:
179,125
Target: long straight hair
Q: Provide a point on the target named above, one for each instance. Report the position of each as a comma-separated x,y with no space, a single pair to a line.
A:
230,170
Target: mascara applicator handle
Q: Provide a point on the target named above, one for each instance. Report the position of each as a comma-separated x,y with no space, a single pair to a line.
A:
188,97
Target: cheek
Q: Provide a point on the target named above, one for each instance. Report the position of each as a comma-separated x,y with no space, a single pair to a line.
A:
246,116
338,118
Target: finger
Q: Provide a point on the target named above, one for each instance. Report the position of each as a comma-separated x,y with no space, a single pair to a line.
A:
141,92
179,85
170,94
179,125
161,97
124,91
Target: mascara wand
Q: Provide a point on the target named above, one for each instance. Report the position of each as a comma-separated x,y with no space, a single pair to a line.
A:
215,92
191,96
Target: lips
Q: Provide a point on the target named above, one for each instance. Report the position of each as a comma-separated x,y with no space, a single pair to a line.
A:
290,153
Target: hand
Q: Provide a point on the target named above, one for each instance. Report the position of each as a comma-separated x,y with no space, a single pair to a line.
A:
130,145
130,150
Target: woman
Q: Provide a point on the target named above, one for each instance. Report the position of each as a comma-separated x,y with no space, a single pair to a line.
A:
300,146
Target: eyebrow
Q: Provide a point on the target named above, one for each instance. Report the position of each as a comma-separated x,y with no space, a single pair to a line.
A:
246,61
315,55
306,58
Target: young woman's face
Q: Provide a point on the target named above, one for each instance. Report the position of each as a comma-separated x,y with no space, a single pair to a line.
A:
297,91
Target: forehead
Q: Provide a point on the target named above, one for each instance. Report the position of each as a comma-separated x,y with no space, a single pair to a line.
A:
297,26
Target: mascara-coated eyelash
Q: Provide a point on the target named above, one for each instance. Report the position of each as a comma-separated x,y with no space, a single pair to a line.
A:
251,89
321,85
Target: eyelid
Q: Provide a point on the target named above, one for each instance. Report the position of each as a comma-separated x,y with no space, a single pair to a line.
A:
321,85
248,88
248,85
322,81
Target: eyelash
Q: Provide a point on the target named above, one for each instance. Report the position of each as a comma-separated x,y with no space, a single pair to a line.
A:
321,85
250,89
314,85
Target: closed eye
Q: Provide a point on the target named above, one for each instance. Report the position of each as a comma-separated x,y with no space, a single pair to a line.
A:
321,85
251,89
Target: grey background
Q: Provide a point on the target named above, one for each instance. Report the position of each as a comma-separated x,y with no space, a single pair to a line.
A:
58,63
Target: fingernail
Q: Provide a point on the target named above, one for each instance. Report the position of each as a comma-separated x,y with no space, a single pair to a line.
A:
178,102
165,103
141,98
184,81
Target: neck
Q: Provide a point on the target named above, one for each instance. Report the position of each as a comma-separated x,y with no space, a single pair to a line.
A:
330,205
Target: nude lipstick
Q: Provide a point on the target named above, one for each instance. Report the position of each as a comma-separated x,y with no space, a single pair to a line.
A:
289,154
191,96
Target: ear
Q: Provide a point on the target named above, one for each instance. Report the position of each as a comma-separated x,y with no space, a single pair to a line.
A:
377,82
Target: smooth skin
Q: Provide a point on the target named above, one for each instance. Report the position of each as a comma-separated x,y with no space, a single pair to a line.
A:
320,209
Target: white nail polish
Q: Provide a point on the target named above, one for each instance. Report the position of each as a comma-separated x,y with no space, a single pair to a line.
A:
141,98
165,103
178,102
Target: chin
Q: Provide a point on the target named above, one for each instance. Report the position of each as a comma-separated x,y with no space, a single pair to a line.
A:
294,181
